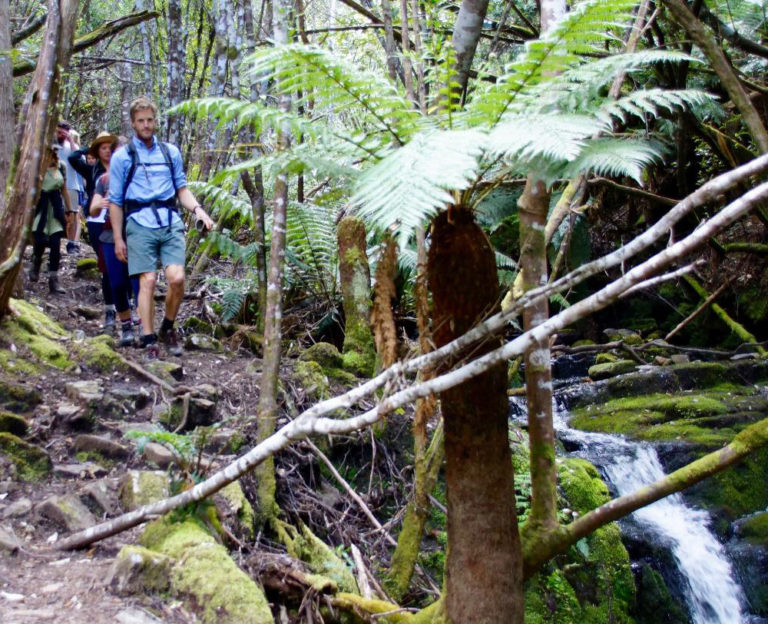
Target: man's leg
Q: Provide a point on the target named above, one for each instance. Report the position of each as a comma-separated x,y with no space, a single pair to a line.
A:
147,302
174,275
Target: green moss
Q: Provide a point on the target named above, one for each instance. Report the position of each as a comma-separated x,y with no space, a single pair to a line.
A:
194,324
324,354
13,423
359,354
605,358
147,569
550,599
235,496
32,463
18,398
310,376
94,456
205,574
611,369
32,331
99,353
654,599
87,268
142,487
17,366
755,529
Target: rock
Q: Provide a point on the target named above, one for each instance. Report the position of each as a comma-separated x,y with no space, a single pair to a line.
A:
129,396
87,443
66,511
132,615
78,471
202,410
679,358
87,392
101,496
141,487
201,342
8,541
31,462
611,369
75,417
234,507
17,508
167,371
13,423
157,454
141,427
88,312
17,398
323,353
224,441
312,380
87,268
137,570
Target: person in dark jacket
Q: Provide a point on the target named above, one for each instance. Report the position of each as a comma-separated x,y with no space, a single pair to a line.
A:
101,150
49,225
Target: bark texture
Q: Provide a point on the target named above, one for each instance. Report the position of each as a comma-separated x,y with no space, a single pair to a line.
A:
483,567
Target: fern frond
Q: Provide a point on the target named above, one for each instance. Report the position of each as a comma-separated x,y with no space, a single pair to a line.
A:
413,182
311,246
219,201
311,73
614,157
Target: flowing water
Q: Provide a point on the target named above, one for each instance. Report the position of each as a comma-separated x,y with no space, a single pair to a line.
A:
711,593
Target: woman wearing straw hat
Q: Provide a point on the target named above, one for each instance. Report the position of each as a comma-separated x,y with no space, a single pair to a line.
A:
100,149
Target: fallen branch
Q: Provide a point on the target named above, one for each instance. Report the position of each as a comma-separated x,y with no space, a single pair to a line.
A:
704,305
311,422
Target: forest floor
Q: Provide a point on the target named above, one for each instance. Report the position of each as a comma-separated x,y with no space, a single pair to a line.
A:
37,582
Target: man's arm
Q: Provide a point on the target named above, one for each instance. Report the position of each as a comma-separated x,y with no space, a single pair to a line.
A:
189,202
78,164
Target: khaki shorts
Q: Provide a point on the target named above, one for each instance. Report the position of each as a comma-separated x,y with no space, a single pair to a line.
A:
149,248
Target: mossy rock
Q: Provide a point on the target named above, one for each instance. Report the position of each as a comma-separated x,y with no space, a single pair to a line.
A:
31,331
13,423
99,354
205,575
142,487
196,325
32,463
655,604
138,570
611,369
755,529
87,268
311,378
237,505
18,398
324,353
359,354
606,358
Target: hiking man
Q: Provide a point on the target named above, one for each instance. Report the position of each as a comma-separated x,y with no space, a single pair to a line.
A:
146,179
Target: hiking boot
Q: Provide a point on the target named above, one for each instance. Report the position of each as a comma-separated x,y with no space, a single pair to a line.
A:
127,337
34,273
53,284
110,317
170,338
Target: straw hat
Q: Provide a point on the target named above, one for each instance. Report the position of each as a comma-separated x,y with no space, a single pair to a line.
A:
103,137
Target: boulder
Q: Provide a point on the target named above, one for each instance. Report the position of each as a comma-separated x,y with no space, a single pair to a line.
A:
137,570
141,487
31,462
66,511
87,443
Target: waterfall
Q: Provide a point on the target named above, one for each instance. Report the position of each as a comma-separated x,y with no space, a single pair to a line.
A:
711,593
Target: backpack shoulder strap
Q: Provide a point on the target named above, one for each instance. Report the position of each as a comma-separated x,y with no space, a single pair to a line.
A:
132,170
167,156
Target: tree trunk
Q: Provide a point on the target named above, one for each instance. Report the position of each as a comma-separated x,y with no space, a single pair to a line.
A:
37,131
267,419
484,562
6,101
466,34
177,62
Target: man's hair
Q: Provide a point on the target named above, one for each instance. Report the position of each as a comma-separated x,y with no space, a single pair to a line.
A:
142,103
63,124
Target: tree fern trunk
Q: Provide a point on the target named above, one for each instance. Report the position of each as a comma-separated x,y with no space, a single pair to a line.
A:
484,563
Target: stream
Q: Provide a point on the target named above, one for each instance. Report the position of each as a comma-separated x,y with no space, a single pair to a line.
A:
711,593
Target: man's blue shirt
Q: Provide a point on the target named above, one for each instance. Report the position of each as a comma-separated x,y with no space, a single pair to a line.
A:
151,181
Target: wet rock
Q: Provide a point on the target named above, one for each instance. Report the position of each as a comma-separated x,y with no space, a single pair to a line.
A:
13,423
129,396
679,358
201,342
141,487
66,511
611,369
31,462
101,496
98,444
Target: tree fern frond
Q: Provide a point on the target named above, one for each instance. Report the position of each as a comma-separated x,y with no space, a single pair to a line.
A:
310,73
654,102
614,157
586,29
552,137
414,181
243,113
311,246
219,201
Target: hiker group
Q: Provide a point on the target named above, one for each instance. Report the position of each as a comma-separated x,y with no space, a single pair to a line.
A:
129,191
